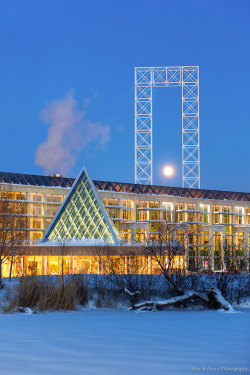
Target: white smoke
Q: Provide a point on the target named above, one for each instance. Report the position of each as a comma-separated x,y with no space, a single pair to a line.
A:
69,132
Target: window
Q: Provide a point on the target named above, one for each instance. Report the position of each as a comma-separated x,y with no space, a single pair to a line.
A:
238,219
222,208
204,218
52,210
127,214
154,227
239,210
192,207
204,207
167,206
141,215
228,229
154,204
20,196
36,235
110,202
48,221
166,216
226,219
193,239
192,217
179,216
153,215
179,206
239,215
36,209
204,238
36,223
114,212
37,197
60,198
228,241
128,203
226,209
55,198
216,218
142,204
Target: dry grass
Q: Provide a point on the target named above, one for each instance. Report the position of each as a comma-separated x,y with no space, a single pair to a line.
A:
47,293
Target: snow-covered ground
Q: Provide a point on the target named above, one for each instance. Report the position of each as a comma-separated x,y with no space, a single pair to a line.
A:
123,342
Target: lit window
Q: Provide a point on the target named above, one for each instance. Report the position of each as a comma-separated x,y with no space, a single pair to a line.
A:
37,197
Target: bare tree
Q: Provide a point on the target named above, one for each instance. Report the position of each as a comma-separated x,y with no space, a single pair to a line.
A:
13,225
164,250
235,258
168,253
62,244
129,274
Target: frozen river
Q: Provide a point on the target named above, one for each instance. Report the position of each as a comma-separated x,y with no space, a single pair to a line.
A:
122,342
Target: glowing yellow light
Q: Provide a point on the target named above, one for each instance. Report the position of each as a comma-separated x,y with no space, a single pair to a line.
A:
168,171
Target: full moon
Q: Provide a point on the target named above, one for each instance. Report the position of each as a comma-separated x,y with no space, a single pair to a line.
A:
168,171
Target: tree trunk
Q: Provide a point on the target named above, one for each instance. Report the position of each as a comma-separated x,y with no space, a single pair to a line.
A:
213,299
1,282
179,291
62,270
11,264
216,300
152,305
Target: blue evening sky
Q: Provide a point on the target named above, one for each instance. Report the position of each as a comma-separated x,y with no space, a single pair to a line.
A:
55,53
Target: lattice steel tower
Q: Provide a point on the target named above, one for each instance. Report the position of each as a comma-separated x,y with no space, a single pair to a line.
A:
145,79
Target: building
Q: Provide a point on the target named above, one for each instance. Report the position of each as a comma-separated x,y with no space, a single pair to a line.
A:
216,224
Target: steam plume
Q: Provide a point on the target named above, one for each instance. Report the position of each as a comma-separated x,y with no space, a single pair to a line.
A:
69,132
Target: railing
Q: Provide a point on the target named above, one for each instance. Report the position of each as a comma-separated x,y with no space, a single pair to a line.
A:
96,242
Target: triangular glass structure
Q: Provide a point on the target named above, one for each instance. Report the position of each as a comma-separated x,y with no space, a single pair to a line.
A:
82,216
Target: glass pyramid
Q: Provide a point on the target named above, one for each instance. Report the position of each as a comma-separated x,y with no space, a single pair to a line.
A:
82,216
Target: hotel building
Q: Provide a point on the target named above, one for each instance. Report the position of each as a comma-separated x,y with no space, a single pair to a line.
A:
217,223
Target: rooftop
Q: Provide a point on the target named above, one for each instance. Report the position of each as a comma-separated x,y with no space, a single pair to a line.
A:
66,182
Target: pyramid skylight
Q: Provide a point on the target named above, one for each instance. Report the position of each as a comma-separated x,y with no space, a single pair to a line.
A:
82,216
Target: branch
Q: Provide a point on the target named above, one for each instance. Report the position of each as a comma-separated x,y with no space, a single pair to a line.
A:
153,250
130,293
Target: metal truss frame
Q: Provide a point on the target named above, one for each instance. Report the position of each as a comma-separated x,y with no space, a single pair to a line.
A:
145,79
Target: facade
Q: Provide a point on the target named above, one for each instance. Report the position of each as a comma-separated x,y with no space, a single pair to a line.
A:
217,223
